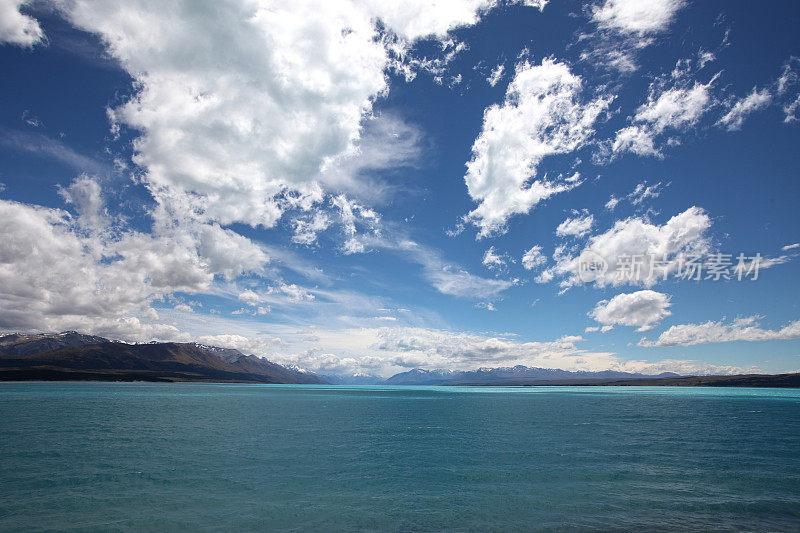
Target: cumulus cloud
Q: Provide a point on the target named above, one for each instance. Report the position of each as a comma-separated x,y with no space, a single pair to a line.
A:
674,104
496,75
642,309
684,234
577,226
533,258
465,350
295,293
258,344
741,329
542,115
17,28
640,17
56,276
84,193
494,261
247,130
741,108
401,348
307,227
624,28
358,224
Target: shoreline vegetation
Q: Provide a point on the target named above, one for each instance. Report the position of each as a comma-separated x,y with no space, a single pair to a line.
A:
72,356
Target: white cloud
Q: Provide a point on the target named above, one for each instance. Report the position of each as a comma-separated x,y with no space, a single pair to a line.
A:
704,57
244,130
449,278
494,261
788,75
643,192
84,193
791,247
642,309
254,345
741,329
443,349
47,270
56,276
533,258
406,347
640,194
295,293
387,143
681,235
788,79
30,119
496,75
455,281
307,228
674,104
42,145
577,226
250,297
743,107
542,115
636,16
539,4
791,110
352,216
16,28
595,329
624,28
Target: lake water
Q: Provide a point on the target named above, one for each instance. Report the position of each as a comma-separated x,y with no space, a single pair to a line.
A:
135,456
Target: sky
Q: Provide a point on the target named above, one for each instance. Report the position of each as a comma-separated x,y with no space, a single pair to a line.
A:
361,186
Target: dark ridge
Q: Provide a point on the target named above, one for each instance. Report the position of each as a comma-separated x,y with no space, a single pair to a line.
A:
118,361
30,344
530,377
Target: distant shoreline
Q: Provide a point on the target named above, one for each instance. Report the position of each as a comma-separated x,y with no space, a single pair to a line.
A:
743,380
71,356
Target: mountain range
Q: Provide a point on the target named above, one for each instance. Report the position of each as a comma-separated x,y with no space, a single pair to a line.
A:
533,376
73,356
510,375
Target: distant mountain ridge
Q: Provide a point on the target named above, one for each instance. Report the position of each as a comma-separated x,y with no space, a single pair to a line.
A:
29,344
532,376
509,375
359,378
74,356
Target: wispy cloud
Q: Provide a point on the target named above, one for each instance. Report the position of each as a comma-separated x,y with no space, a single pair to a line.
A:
39,144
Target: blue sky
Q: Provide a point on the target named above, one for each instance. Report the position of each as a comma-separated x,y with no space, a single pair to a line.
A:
369,187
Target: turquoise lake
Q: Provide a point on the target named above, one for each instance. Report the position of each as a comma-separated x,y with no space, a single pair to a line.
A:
155,457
